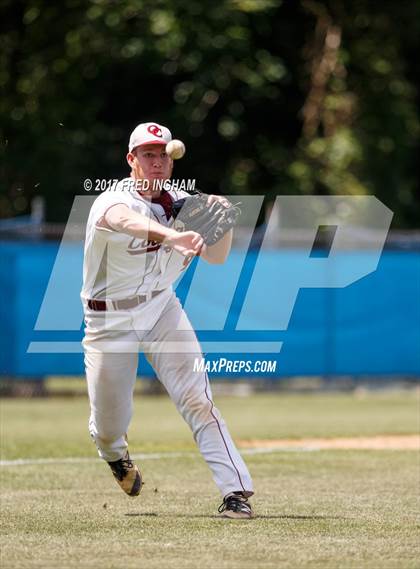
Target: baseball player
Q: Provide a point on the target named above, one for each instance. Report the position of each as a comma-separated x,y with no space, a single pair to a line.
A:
132,257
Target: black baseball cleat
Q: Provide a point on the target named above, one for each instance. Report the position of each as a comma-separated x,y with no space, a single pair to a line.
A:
236,506
127,475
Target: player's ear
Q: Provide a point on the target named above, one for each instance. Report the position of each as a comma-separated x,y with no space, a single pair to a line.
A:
130,159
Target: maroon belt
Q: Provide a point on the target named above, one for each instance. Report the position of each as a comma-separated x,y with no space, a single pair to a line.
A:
124,304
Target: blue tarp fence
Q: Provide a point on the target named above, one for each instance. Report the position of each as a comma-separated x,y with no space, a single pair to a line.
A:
371,327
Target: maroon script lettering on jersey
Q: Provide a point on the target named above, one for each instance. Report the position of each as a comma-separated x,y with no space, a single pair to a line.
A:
141,246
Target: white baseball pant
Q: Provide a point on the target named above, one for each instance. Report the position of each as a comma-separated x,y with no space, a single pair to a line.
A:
111,345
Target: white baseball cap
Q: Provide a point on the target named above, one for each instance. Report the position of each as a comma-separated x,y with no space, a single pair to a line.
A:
149,133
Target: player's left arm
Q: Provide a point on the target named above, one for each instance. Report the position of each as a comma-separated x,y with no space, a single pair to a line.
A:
218,253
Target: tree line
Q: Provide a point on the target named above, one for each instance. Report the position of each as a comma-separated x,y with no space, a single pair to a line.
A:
270,97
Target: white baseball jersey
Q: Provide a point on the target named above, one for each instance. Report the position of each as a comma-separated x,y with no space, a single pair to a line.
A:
117,265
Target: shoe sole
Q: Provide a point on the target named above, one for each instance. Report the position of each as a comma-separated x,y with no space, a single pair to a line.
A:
135,488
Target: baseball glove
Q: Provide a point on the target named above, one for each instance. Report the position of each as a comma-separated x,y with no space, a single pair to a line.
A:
210,221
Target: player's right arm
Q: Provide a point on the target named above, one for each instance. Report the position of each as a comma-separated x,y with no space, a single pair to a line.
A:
124,220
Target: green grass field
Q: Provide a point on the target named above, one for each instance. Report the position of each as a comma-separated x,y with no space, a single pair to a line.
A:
329,509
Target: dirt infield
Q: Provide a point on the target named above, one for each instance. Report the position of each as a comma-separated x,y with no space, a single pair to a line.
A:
382,442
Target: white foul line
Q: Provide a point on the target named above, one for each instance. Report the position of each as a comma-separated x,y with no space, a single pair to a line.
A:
145,456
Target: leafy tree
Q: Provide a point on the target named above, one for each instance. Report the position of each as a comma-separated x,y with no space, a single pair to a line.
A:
270,97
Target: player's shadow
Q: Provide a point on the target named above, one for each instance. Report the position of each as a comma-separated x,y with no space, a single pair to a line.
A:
298,517
215,516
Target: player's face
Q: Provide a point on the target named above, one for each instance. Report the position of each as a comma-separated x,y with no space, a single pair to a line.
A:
150,162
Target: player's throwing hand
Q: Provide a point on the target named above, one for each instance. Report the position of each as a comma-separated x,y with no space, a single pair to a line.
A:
187,243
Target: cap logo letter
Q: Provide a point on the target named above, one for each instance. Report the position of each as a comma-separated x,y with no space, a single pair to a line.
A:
155,130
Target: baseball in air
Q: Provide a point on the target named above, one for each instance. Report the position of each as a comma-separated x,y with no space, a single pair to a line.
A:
175,149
